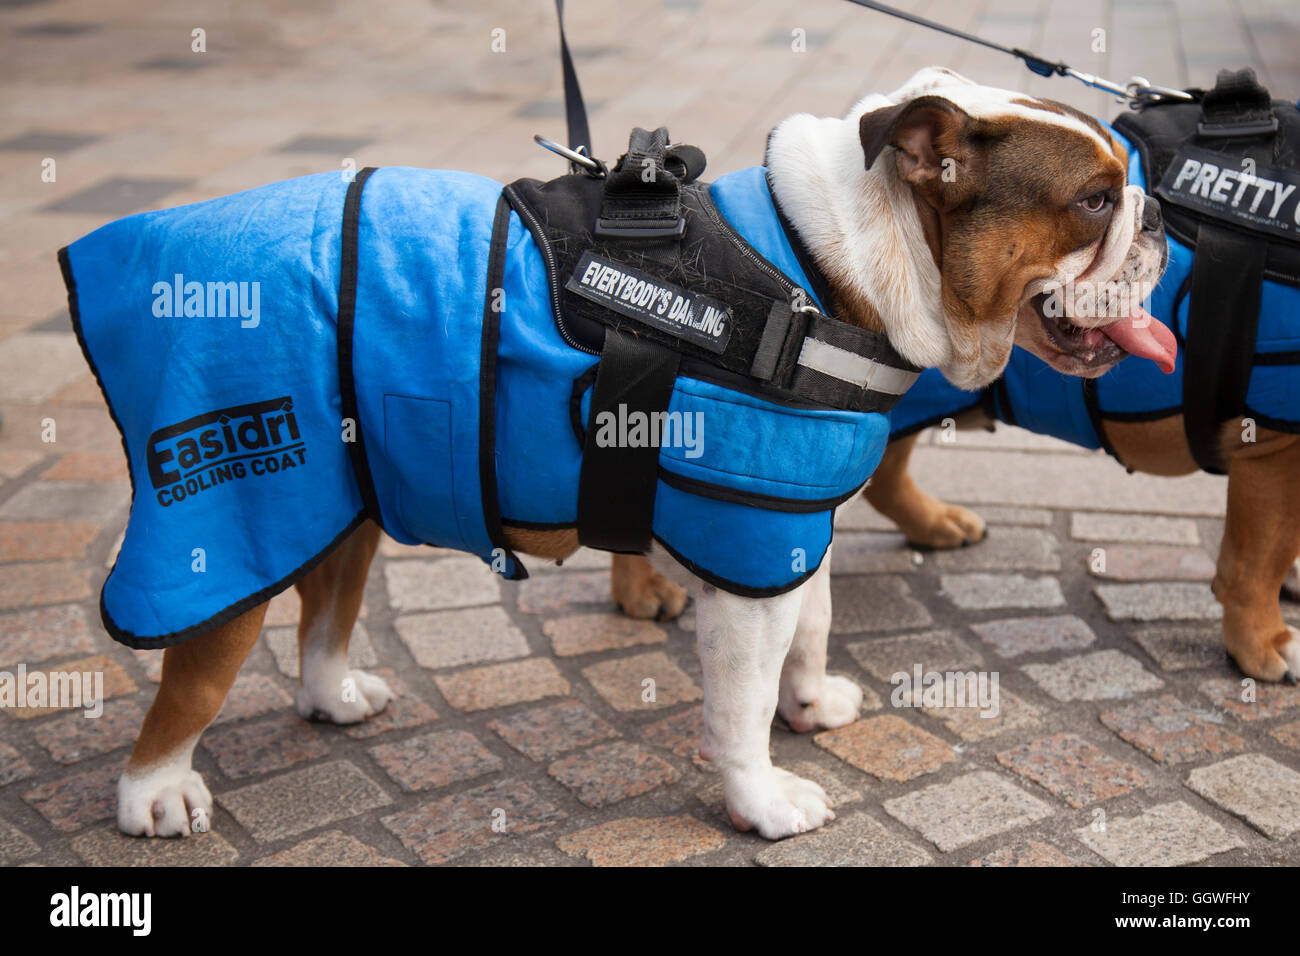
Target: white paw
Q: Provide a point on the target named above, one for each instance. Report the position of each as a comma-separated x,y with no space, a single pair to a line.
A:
349,699
1290,652
776,803
168,801
837,705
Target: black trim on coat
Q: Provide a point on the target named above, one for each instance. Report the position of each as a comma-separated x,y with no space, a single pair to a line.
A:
487,390
348,262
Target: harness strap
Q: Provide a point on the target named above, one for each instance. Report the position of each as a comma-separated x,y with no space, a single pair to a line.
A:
1237,107
642,198
846,367
616,487
1222,320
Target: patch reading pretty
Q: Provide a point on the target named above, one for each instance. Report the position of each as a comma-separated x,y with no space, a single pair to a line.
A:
436,355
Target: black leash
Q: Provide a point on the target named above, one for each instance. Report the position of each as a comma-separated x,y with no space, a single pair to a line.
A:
575,110
1035,63
1138,90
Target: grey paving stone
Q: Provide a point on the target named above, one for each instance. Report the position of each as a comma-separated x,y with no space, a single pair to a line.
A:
551,109
874,603
882,657
107,846
872,552
1260,790
303,800
1150,562
963,811
424,585
35,365
1158,602
15,846
979,592
1180,647
44,633
71,500
330,145
283,644
856,841
1101,675
471,636
46,141
1005,549
1151,529
58,28
118,196
1011,637
1002,514
976,723
1086,482
1168,834
175,64
13,765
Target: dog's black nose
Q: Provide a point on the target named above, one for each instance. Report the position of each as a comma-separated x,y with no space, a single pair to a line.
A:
1151,218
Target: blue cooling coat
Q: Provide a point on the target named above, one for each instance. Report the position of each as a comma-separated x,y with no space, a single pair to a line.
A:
288,361
1035,396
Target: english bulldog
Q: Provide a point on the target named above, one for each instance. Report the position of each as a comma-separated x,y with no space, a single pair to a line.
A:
943,215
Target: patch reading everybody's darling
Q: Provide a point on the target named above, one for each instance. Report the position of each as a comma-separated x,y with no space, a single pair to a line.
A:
686,315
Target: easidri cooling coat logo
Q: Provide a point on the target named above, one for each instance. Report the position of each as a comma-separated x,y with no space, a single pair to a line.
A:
227,444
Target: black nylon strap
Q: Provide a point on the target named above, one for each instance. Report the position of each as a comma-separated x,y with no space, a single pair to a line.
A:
1237,106
616,488
1222,319
642,197
575,111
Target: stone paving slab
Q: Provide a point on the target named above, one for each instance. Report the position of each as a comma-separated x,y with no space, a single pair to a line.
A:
1261,791
970,808
1168,834
524,732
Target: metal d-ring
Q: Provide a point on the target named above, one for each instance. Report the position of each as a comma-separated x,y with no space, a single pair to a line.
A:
577,160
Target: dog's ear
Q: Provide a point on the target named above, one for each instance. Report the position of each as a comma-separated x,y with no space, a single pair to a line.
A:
926,131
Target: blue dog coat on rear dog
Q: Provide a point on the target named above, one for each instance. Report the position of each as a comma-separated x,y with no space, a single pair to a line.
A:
286,362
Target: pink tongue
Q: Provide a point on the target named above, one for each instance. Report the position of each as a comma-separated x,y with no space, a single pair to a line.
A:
1143,335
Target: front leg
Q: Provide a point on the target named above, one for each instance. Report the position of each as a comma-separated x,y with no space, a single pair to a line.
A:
811,699
742,644
924,520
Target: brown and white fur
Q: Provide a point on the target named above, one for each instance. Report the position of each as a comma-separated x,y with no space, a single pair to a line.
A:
943,264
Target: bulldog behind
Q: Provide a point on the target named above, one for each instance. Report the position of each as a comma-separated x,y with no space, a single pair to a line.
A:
942,215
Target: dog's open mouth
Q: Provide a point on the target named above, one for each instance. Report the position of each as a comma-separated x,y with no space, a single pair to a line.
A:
1139,334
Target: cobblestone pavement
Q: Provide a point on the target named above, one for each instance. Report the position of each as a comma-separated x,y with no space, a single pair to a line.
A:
1116,700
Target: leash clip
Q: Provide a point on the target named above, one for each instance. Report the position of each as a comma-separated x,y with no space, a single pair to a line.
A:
579,161
1142,92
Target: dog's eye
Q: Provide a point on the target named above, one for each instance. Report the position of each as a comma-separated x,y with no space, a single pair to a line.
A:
1094,203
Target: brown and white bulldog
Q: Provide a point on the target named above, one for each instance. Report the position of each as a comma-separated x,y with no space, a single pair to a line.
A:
939,215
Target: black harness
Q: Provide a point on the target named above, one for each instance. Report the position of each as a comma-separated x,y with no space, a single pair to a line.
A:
647,274
1186,148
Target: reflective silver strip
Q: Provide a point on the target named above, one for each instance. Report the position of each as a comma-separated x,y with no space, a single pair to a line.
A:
850,367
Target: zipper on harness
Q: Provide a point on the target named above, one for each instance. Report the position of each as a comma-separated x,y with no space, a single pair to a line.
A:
552,279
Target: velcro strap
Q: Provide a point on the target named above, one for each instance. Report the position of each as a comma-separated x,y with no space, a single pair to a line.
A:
642,197
616,487
1237,106
1222,320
